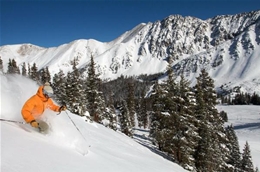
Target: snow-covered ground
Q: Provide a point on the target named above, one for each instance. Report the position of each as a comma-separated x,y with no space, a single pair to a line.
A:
63,149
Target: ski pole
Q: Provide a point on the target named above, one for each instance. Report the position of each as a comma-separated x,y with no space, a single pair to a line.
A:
76,127
7,120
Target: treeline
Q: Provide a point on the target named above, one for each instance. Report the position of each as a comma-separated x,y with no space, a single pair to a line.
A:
242,99
183,120
41,76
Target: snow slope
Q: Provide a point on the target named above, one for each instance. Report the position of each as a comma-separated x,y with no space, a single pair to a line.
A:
63,149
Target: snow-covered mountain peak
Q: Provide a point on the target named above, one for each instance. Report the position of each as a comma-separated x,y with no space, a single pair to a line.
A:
228,46
21,49
128,35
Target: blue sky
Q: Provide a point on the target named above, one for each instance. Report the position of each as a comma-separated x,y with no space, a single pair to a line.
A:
53,23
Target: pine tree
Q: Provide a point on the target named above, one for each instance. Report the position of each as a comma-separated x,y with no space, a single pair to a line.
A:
188,131
255,99
59,87
142,114
124,119
45,75
95,100
172,118
173,124
100,101
182,135
34,72
12,67
24,71
110,113
205,150
233,146
1,65
74,91
211,129
246,162
29,70
158,116
131,103
15,67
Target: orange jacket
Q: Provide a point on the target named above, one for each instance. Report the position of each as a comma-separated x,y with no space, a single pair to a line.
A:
35,106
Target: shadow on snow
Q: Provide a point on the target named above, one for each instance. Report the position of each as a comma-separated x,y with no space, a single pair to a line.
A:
250,126
148,143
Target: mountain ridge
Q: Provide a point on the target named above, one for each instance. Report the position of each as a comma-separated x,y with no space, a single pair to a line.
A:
227,46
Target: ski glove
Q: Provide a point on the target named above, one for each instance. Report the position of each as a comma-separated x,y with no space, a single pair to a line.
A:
34,124
62,108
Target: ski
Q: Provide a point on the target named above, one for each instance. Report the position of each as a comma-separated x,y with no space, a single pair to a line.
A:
7,120
21,126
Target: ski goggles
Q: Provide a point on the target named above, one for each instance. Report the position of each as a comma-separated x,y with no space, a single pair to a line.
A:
48,94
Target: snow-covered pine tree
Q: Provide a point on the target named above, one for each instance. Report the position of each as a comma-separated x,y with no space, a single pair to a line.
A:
182,135
255,99
142,114
1,65
124,119
203,156
70,98
95,99
131,103
205,150
16,68
74,90
110,112
158,116
12,67
172,102
210,154
24,71
59,87
100,102
188,130
29,70
34,72
45,75
246,162
233,146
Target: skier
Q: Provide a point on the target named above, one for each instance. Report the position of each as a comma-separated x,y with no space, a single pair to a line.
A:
35,106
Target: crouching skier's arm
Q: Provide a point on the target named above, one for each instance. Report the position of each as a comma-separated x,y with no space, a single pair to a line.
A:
55,107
